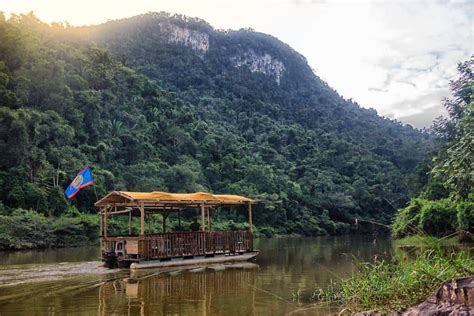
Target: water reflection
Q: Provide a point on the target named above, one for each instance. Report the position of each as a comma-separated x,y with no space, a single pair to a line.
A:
301,265
224,292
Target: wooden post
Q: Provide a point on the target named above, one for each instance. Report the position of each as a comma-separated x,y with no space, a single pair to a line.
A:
142,219
101,219
249,208
101,231
203,218
148,222
209,219
179,220
165,215
130,222
105,222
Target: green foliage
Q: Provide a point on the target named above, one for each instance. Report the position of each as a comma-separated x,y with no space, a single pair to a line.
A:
24,229
394,285
465,215
151,114
437,218
407,219
78,230
454,164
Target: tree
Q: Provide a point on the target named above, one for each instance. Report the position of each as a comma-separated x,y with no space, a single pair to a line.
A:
454,164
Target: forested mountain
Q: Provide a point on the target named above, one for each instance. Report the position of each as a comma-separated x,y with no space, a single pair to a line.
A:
160,102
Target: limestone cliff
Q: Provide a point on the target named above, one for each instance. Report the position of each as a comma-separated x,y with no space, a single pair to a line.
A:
192,38
263,63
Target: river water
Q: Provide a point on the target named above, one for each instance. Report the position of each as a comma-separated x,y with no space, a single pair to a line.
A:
280,281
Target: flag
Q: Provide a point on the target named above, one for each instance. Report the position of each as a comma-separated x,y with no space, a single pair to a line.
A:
83,179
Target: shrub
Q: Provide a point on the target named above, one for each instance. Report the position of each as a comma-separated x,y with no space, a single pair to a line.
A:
24,229
265,231
465,215
406,220
75,231
436,218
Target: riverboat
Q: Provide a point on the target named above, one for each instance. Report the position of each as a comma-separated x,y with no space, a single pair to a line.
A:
177,248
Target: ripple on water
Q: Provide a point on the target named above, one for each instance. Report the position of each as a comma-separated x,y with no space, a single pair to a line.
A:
26,273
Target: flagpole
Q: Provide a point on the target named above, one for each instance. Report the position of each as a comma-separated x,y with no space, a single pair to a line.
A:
95,192
96,197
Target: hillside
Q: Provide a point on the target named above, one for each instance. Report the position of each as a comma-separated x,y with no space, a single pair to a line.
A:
160,102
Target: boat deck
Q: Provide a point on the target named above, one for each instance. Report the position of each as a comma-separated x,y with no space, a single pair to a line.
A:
198,260
172,248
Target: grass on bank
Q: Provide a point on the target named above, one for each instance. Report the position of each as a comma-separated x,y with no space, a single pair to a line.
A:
396,284
426,241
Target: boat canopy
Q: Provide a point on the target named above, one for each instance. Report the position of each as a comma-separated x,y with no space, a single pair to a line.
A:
169,201
141,203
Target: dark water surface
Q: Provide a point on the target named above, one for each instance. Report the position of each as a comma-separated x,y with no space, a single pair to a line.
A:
279,282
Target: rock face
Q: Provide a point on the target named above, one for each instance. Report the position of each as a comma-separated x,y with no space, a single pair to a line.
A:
263,63
197,40
454,298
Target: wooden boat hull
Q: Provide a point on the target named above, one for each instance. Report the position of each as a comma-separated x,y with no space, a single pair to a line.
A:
197,260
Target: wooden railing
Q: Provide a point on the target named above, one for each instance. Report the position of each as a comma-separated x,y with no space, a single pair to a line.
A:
183,244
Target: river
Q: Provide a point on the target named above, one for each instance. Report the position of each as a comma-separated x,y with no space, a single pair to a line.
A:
280,281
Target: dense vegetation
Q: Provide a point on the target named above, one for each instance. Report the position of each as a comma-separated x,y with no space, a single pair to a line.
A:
152,114
446,203
29,229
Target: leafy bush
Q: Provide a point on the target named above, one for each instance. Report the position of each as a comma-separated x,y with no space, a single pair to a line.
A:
28,229
265,231
74,231
465,215
25,229
437,218
406,220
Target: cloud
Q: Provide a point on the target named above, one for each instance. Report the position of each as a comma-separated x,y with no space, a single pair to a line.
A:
424,118
423,43
421,110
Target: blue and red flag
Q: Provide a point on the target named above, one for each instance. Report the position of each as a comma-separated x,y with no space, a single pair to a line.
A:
83,179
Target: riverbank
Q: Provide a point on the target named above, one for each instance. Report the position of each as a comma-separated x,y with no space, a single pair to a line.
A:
394,285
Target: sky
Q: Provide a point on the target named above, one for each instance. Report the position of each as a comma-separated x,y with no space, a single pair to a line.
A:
394,56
